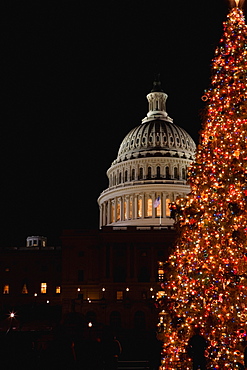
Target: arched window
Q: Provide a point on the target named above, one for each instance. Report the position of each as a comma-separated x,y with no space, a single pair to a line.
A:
158,172
167,172
120,177
126,176
24,289
175,173
183,174
141,173
133,174
149,173
6,289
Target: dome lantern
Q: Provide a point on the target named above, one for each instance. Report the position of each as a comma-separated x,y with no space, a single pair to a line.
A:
157,103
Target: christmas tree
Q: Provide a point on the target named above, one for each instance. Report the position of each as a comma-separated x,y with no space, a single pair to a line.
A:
205,280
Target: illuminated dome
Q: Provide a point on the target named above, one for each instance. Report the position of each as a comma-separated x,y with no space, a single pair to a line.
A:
156,137
152,163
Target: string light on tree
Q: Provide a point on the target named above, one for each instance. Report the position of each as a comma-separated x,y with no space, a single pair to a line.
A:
205,281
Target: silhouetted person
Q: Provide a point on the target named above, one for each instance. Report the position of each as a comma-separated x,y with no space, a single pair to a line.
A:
196,349
112,351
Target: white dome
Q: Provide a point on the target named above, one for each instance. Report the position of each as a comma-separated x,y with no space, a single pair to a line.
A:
156,138
151,164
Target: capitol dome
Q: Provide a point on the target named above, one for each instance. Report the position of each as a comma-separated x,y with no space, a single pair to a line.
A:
156,137
151,164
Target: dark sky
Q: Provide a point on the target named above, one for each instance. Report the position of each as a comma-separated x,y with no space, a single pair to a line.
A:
74,80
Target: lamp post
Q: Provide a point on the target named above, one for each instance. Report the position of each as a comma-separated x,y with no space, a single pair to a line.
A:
11,317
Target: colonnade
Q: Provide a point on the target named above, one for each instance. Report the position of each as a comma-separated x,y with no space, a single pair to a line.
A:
136,206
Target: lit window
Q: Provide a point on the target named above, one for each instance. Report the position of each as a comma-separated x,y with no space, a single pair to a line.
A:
149,207
139,207
125,210
119,295
6,289
158,209
118,211
43,288
131,209
58,289
24,289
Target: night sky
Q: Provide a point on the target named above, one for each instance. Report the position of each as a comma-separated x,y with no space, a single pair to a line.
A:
74,80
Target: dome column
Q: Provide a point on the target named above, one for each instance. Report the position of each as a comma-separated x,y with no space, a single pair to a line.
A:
101,216
166,196
135,201
121,208
153,208
163,205
143,205
115,210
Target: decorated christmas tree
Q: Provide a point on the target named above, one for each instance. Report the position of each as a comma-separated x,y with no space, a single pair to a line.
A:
204,282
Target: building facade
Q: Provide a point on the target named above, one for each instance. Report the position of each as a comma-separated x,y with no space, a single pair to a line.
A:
110,275
31,281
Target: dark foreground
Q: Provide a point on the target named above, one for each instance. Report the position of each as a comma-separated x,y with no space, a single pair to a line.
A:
63,350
